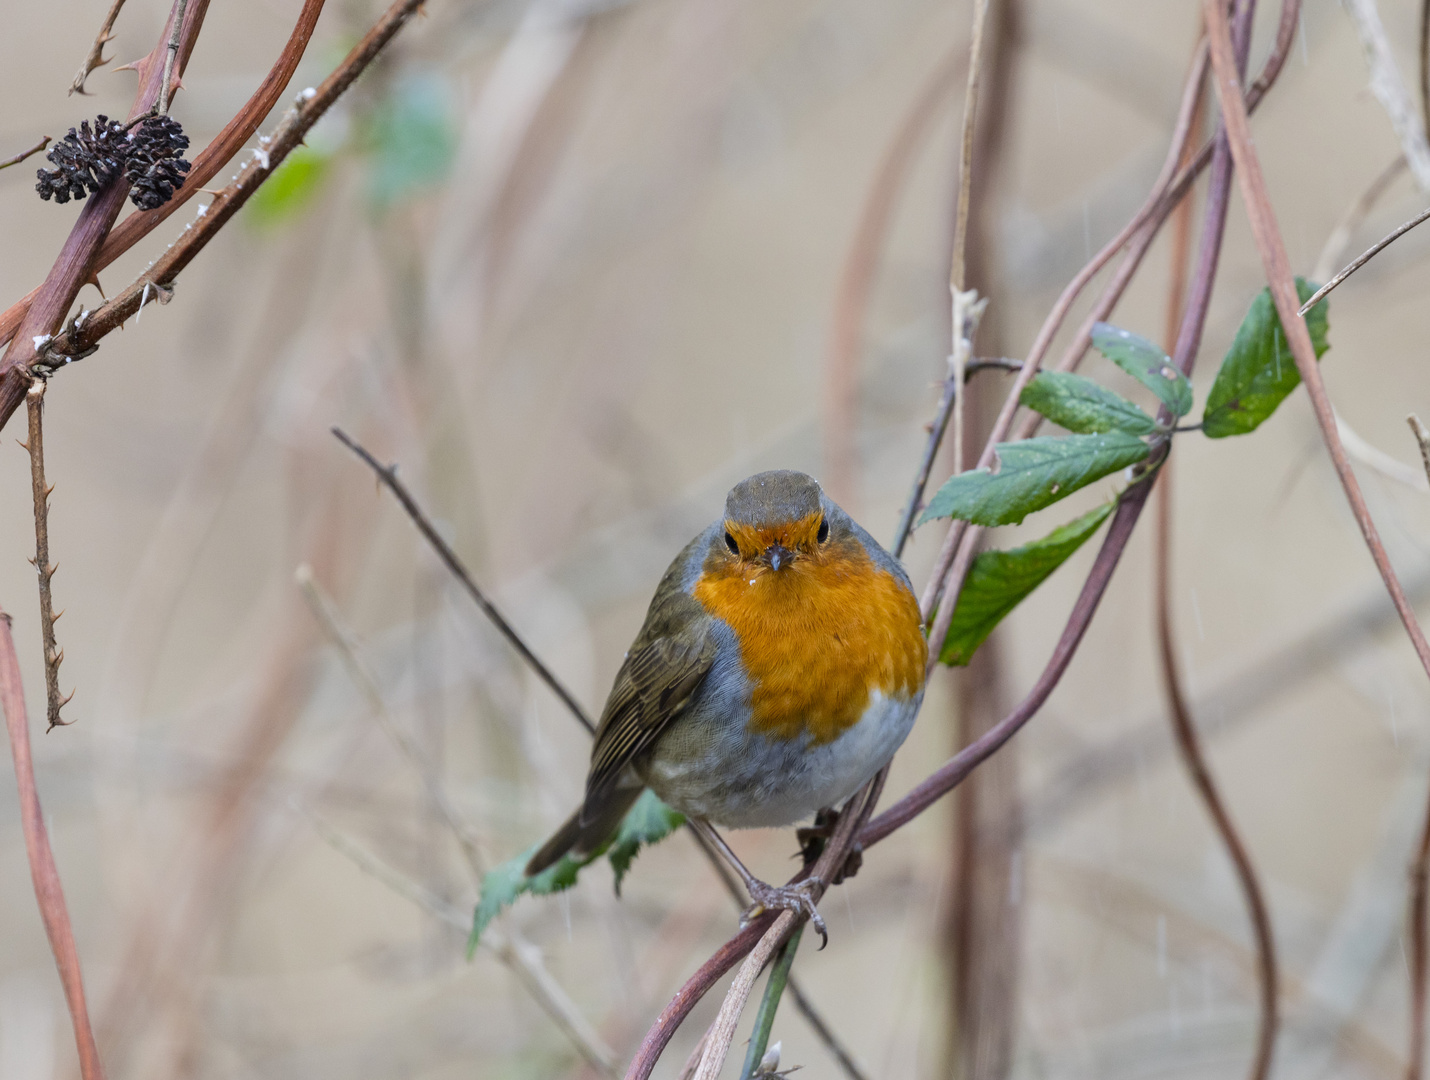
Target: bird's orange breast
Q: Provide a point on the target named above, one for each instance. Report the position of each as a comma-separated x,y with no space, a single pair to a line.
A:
817,637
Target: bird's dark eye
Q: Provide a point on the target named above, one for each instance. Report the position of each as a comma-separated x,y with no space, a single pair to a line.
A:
823,533
730,543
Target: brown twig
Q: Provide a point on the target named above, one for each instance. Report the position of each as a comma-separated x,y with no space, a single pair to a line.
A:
206,165
1360,260
76,261
387,475
1334,248
25,153
49,893
173,50
95,57
44,571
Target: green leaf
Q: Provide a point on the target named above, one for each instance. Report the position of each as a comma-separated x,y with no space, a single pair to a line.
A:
1259,370
998,581
1032,474
647,822
1081,405
293,185
413,139
1146,363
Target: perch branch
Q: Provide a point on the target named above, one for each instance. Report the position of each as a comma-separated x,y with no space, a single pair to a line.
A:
44,571
49,892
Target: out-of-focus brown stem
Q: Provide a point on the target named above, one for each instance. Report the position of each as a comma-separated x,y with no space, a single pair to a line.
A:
1419,883
49,893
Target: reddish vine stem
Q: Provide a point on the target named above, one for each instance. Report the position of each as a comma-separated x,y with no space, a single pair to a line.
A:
75,264
1283,291
206,165
49,892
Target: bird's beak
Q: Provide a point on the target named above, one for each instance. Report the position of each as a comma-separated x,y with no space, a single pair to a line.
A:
778,555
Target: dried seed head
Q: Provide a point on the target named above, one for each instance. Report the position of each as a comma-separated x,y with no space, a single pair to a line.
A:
156,167
149,154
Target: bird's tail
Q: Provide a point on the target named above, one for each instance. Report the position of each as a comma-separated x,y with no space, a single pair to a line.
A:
587,829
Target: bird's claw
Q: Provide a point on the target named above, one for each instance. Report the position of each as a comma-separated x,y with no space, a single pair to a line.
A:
798,898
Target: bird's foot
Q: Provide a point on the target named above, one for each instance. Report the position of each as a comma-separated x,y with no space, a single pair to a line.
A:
798,898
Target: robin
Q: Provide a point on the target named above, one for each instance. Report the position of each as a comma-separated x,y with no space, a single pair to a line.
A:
780,666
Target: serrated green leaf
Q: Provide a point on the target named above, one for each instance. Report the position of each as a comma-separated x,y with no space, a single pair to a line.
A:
649,821
1081,405
293,185
1032,474
1259,370
998,581
1146,363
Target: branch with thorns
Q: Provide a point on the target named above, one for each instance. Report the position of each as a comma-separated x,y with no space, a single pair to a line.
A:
44,569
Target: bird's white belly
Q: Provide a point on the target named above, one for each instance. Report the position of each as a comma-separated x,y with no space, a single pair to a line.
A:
732,777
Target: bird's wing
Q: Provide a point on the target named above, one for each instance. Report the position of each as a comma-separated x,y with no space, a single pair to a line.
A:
661,673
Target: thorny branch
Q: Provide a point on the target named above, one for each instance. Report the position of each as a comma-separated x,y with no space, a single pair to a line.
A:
44,571
75,264
170,53
95,58
25,153
310,105
49,893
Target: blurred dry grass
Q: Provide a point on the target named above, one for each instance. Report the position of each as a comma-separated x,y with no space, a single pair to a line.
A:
615,299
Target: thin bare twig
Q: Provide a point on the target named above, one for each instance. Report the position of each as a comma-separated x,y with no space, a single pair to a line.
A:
95,57
521,957
387,475
49,893
1339,239
166,85
44,571
25,153
1365,257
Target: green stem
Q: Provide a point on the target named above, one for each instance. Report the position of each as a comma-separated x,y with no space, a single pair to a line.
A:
765,1018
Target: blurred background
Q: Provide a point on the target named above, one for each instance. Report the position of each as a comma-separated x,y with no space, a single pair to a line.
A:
578,267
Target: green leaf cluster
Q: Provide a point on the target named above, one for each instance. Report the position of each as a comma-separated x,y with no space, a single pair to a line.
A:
647,822
291,188
1259,370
